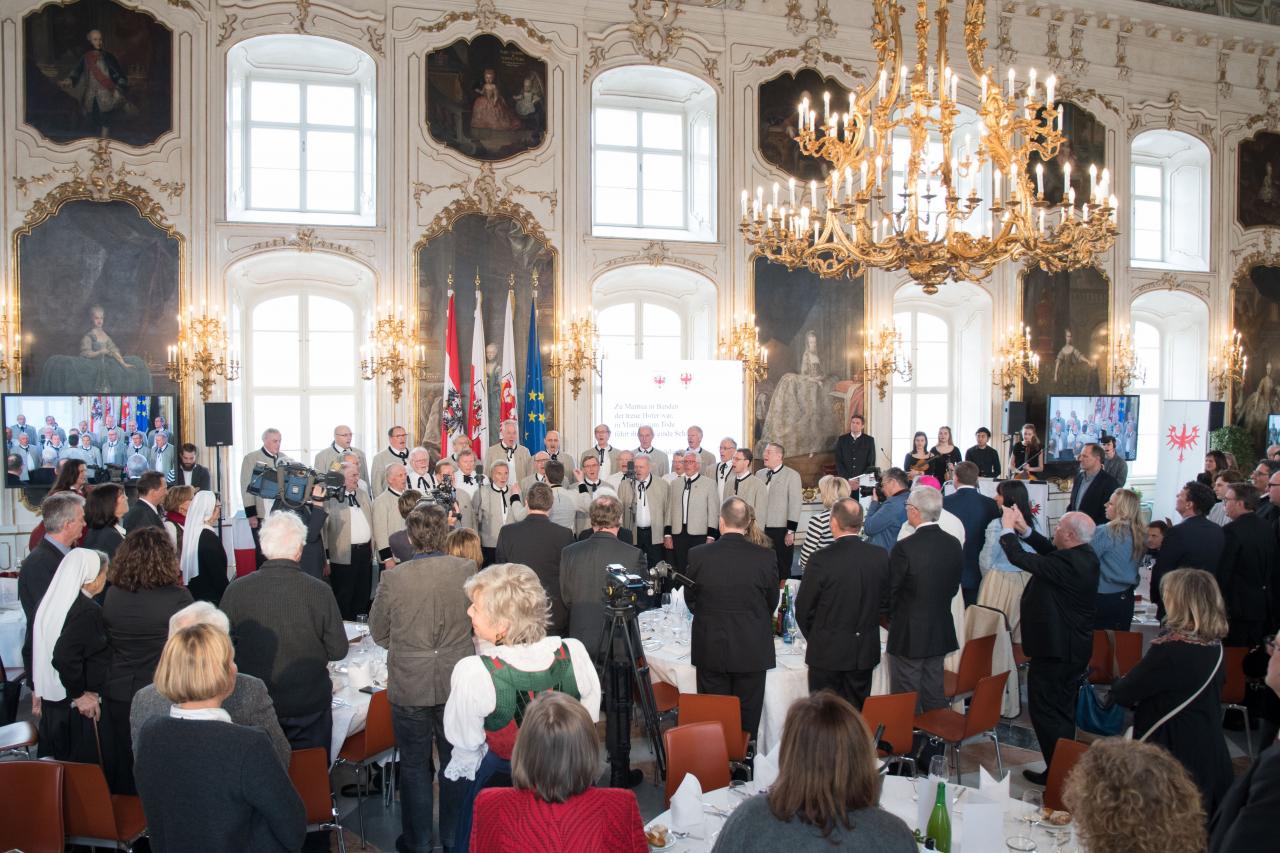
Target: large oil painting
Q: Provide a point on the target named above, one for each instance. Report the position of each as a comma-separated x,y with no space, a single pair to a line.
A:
1256,316
93,69
1084,145
1069,315
486,98
811,328
779,117
1258,181
494,248
99,285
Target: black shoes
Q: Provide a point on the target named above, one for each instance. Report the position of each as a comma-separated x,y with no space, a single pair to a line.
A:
1034,777
630,779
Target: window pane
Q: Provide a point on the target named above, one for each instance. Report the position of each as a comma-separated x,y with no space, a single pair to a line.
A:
1147,245
616,169
323,412
271,101
931,367
662,346
616,207
664,209
617,320
618,347
331,105
331,191
1146,214
663,130
930,327
332,358
615,127
275,359
282,412
329,315
663,172
931,413
660,322
274,188
276,315
271,148
331,151
1148,181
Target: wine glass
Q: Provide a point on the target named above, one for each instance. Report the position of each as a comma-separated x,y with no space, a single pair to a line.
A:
1034,798
938,768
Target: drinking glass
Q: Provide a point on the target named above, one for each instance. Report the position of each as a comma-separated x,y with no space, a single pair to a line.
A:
1020,843
1034,799
938,768
362,622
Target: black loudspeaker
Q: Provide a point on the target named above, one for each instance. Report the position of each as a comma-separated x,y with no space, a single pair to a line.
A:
217,424
1217,414
1015,415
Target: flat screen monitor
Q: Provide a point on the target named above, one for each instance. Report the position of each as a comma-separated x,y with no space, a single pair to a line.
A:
63,415
1073,422
1273,429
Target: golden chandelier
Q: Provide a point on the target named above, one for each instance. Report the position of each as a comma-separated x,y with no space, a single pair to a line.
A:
959,207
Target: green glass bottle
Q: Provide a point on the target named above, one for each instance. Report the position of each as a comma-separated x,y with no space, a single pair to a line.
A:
939,828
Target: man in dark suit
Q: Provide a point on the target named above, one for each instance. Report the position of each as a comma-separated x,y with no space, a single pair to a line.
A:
975,511
63,514
1093,485
924,575
1247,569
844,590
1057,620
982,454
582,579
145,511
188,472
733,596
1193,543
855,451
537,541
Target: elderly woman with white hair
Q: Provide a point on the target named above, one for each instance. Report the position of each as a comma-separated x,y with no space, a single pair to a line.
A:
203,560
249,703
514,659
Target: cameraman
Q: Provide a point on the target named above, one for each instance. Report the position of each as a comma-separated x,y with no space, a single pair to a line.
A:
582,579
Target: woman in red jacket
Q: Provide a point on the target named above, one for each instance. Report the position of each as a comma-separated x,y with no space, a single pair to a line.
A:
553,805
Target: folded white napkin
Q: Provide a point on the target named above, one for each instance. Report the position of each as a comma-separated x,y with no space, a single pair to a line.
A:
677,601
766,770
359,674
686,807
989,785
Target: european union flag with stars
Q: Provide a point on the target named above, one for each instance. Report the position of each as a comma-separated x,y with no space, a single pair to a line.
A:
534,420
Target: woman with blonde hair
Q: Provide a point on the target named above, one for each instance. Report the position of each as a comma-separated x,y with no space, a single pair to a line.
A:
818,532
1174,690
1130,797
465,543
1120,545
196,756
176,503
827,793
553,804
515,659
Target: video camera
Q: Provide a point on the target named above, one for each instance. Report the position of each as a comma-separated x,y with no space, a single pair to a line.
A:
443,495
624,589
291,483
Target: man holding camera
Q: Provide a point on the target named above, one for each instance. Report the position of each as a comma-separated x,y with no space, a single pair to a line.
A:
583,574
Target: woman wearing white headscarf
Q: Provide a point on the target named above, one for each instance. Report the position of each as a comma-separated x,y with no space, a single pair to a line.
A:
71,658
203,560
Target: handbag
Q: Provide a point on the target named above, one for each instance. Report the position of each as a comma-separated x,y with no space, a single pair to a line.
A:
1169,716
1094,715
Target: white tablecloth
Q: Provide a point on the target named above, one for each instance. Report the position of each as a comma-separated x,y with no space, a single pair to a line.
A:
350,706
898,796
13,630
666,648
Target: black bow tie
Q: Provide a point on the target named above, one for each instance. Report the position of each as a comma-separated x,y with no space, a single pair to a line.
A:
401,456
768,476
554,456
510,451
351,499
423,484
688,483
466,478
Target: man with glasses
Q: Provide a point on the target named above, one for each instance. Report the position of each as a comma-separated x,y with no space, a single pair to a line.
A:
331,457
397,450
1246,572
1269,504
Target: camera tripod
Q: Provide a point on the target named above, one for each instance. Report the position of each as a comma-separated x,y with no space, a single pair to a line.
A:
619,667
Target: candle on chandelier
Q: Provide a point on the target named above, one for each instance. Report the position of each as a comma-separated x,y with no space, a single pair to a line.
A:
982,97
1042,222
1111,200
997,175
929,82
826,107
744,204
884,81
1031,86
862,174
775,193
791,188
1010,84
1066,179
813,194
904,81
852,109
955,80
815,233
879,168
1104,183
1093,181
1039,180
1049,86
848,181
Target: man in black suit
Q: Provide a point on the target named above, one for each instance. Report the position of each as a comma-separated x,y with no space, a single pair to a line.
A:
582,579
924,575
855,451
1247,569
733,596
975,511
188,472
537,541
145,512
63,514
1193,543
1093,485
844,590
1057,620
13,470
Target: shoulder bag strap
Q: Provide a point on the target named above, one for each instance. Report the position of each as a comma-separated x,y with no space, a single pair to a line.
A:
1169,716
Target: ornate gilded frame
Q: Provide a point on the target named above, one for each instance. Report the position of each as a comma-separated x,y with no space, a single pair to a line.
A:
1265,258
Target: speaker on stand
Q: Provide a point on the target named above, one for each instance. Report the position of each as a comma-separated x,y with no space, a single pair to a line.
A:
218,434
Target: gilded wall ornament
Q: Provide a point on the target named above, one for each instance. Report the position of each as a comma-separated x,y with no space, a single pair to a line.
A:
306,241
487,19
490,196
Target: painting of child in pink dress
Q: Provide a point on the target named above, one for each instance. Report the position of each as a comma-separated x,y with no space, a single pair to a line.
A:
490,110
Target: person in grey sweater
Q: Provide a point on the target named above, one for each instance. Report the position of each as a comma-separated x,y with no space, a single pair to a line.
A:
249,703
826,794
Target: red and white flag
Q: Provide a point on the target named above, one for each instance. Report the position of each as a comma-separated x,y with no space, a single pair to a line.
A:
453,418
507,379
478,416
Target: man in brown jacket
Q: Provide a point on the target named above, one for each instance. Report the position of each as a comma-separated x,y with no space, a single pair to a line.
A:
420,616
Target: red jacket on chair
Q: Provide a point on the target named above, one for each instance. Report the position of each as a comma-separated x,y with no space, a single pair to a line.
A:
599,820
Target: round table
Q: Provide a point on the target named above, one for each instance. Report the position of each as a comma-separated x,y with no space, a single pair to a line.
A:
350,706
898,796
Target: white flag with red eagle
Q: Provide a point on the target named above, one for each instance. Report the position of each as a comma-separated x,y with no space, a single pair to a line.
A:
478,418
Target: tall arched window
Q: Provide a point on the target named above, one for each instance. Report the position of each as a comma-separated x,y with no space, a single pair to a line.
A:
922,402
1170,201
301,370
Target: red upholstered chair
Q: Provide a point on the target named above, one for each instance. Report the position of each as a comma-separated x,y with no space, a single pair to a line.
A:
725,710
1065,756
896,712
980,720
365,747
309,773
1233,688
1128,651
93,815
696,748
31,806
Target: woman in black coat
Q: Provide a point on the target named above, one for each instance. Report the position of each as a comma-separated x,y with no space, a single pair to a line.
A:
203,562
70,659
145,591
1181,660
103,508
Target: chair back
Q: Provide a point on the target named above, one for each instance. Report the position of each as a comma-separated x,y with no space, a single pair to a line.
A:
86,802
984,709
1128,651
31,807
725,710
309,773
378,734
1065,756
697,748
897,713
1100,660
975,663
1233,688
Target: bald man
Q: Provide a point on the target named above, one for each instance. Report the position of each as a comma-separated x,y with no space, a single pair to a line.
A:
331,456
